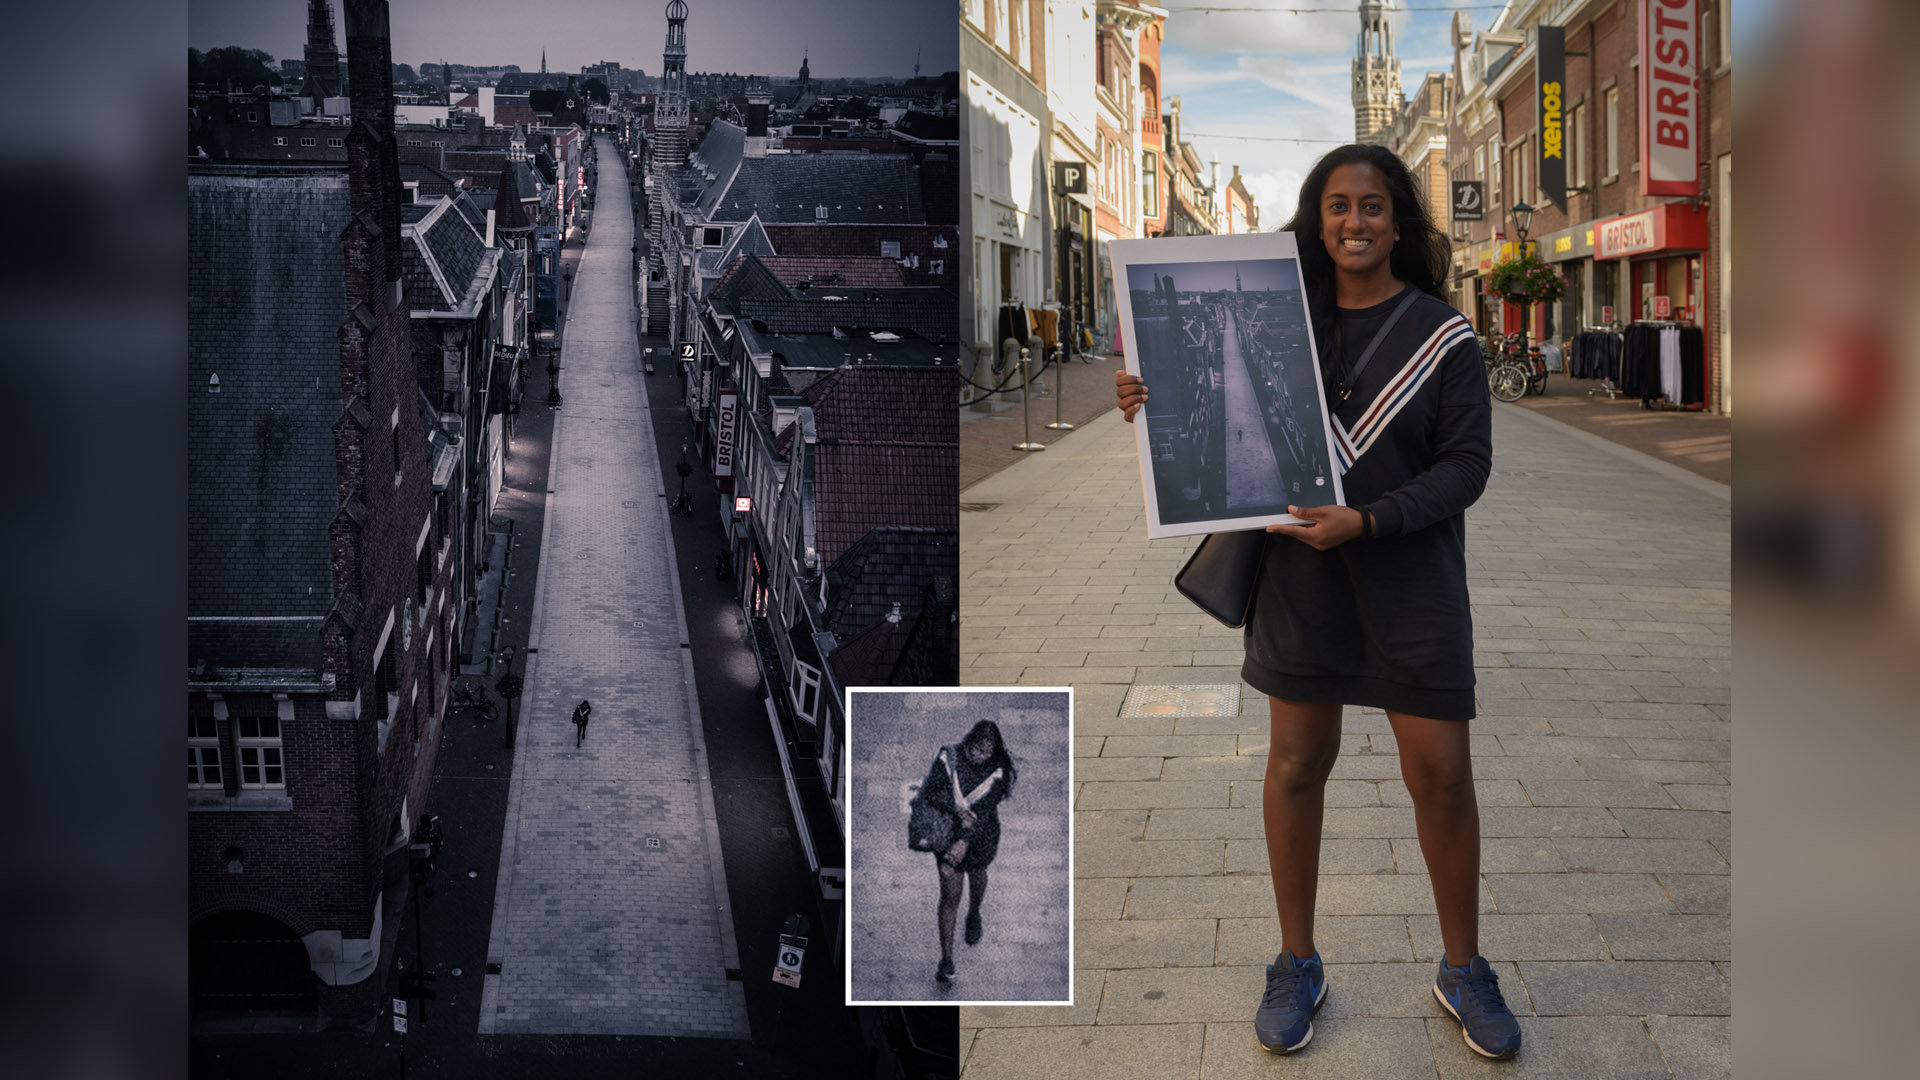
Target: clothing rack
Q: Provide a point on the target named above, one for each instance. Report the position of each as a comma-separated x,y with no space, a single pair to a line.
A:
1665,402
1606,386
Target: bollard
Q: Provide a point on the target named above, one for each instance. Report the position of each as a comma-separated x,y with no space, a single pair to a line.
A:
1059,395
1026,403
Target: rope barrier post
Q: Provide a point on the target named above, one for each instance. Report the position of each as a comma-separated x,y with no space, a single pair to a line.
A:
1059,396
1026,403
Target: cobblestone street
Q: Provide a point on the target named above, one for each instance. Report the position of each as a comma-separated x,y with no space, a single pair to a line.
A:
611,915
1599,581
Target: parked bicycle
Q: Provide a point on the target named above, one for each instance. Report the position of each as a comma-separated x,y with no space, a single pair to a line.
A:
1516,371
682,505
467,696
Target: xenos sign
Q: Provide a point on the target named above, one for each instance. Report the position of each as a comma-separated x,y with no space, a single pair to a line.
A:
1550,79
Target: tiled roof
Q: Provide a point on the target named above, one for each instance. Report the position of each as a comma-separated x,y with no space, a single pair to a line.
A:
266,294
887,452
887,566
719,156
922,649
928,126
853,188
443,260
929,242
750,240
794,269
748,277
509,214
857,346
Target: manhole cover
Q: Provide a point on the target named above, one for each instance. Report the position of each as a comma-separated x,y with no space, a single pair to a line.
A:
780,832
1197,699
653,841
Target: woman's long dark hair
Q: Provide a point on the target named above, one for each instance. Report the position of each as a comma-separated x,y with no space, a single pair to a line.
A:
1419,257
987,729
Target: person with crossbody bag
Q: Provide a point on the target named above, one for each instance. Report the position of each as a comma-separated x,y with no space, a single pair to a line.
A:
965,785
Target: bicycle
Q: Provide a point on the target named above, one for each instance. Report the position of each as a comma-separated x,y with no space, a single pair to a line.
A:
466,697
681,506
1514,373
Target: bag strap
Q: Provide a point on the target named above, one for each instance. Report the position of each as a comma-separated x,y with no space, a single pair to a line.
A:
959,800
1353,377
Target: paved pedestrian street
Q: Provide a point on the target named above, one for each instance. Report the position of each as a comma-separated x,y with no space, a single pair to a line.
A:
611,915
1601,604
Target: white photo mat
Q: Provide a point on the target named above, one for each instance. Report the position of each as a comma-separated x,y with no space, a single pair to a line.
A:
1235,483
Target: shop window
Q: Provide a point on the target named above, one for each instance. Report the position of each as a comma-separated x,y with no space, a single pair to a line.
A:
203,752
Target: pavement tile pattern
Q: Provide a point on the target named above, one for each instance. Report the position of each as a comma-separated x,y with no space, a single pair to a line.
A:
1601,598
611,915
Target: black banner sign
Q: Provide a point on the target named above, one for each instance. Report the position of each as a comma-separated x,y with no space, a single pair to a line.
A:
1469,200
1549,96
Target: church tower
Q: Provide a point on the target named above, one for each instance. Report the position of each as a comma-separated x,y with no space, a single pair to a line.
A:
323,59
1377,95
806,73
670,113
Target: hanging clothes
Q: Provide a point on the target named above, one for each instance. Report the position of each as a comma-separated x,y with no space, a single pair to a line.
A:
1670,363
1049,327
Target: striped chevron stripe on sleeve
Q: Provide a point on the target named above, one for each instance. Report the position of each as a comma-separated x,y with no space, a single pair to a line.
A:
1348,444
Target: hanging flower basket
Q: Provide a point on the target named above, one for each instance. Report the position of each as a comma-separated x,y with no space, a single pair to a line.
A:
1525,279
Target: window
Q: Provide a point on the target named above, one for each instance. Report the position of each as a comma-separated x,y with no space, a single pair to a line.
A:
820,212
1149,185
259,740
1613,134
889,249
1723,38
253,118
396,452
937,266
713,237
806,690
1022,44
1000,36
1493,182
438,142
203,752
307,140
336,141
413,142
279,140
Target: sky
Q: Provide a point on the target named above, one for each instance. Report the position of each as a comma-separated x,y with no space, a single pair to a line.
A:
759,37
1248,78
1281,275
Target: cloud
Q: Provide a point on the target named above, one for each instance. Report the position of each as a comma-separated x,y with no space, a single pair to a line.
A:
1310,34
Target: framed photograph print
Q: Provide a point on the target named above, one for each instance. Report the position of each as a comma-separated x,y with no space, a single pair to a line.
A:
1235,428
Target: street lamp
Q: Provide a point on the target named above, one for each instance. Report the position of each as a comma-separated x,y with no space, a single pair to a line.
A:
1522,217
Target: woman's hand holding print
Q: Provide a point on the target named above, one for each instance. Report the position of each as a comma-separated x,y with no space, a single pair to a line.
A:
967,818
1132,392
1332,526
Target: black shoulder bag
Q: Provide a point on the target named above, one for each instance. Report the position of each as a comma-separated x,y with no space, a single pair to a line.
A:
929,828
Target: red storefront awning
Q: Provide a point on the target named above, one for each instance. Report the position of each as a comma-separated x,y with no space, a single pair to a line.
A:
1667,227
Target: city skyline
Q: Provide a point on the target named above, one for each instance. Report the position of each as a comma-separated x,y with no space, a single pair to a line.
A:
585,32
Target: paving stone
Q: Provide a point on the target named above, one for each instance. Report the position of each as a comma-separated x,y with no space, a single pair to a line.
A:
1235,767
1167,746
1564,746
1700,894
1366,856
1205,824
1701,796
1598,793
1181,995
1141,1052
1400,990
1093,826
1517,937
1681,749
1099,898
1613,727
1147,858
1367,821
1696,1047
1099,769
1349,1049
1678,824
1629,855
1529,768
1555,1048
1380,894
1535,821
1659,772
1173,794
1350,939
1202,897
1370,767
1666,937
1625,988
1577,893
1144,943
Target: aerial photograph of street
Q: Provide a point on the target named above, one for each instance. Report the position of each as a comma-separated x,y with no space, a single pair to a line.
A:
1235,421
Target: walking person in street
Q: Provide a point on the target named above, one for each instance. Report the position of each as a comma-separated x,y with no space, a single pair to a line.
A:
1367,603
581,713
968,780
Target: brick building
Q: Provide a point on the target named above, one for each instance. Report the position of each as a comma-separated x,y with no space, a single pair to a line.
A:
1625,241
320,613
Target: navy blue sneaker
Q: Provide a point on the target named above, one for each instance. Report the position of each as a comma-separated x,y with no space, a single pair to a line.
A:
1473,997
1295,989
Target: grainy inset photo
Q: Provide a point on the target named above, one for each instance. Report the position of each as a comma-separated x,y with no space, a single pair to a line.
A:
960,838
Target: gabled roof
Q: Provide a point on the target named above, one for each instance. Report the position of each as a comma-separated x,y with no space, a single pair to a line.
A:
509,214
852,273
749,240
266,294
716,161
887,566
921,648
747,277
444,260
